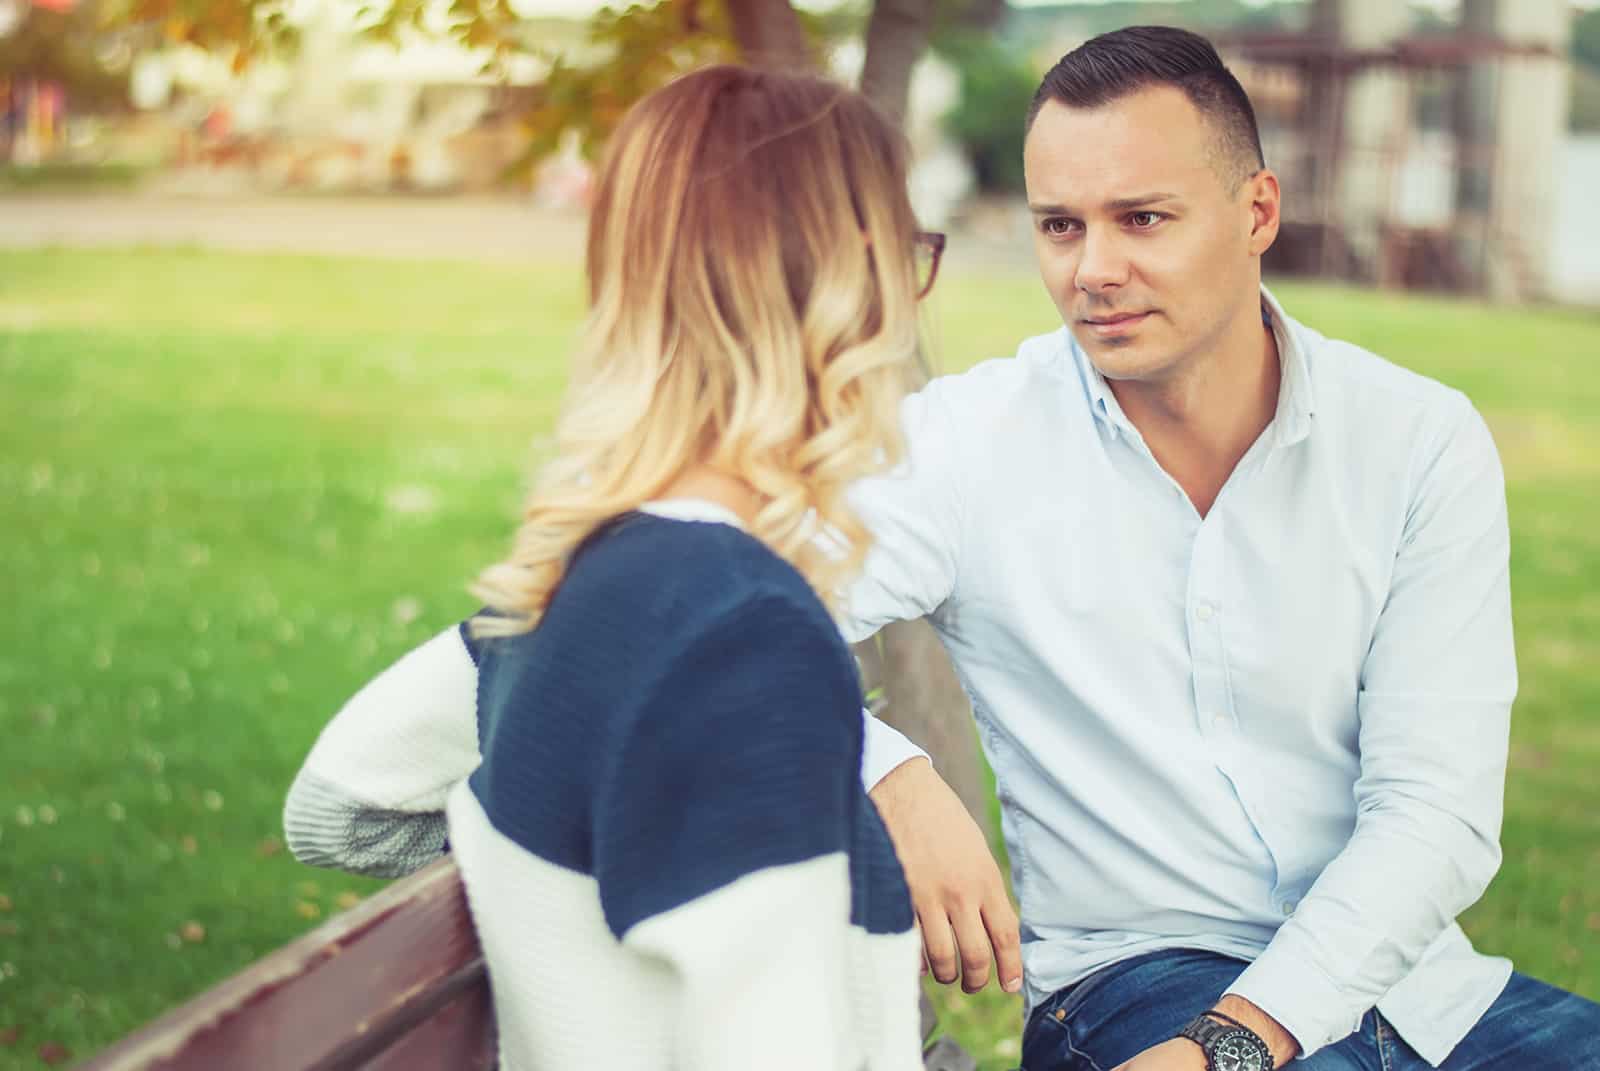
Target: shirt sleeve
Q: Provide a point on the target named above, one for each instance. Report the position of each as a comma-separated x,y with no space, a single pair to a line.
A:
915,514
1434,709
370,796
885,749
721,841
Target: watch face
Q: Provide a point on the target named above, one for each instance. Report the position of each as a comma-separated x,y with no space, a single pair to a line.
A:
1238,1051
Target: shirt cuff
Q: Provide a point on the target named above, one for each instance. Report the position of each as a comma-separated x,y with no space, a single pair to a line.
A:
1285,983
883,749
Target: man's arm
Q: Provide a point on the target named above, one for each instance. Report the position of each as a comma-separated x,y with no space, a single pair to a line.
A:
1434,707
916,516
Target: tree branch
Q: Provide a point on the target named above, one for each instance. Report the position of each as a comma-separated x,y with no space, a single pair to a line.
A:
769,34
897,36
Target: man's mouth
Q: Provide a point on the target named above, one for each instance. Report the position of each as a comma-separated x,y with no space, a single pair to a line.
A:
1114,325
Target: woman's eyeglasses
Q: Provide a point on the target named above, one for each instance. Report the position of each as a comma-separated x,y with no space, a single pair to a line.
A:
929,247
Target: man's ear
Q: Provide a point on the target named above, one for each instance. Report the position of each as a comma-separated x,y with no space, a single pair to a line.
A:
1264,197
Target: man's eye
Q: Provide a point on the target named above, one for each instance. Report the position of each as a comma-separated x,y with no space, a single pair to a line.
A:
1057,227
1145,220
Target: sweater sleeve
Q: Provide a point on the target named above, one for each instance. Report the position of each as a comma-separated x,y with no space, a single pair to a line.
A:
370,796
722,838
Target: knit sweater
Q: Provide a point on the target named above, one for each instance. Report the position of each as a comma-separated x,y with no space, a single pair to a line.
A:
669,857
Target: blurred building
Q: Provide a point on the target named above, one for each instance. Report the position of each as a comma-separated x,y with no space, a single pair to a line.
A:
345,113
1420,145
1429,160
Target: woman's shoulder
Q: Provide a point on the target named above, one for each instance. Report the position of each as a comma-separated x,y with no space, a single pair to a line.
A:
689,575
652,606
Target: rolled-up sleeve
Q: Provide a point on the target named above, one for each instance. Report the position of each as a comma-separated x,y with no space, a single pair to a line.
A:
1434,707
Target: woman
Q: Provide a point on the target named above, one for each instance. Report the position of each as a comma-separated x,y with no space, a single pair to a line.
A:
655,806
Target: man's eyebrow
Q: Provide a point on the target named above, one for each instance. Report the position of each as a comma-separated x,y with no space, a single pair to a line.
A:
1121,204
1128,204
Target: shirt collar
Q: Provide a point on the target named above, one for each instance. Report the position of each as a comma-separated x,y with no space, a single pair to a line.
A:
1291,422
1296,401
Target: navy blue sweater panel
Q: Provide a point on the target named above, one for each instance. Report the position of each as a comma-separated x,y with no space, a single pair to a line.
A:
685,713
880,900
746,757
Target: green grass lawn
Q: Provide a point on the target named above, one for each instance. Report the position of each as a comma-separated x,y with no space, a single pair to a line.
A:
234,487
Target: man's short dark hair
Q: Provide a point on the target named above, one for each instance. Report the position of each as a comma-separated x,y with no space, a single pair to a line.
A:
1113,65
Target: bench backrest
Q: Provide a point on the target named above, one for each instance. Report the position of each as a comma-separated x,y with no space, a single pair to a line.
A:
396,983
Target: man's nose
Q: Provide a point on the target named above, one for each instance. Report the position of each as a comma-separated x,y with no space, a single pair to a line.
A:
1102,264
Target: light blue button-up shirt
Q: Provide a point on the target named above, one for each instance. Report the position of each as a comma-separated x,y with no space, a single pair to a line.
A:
1278,731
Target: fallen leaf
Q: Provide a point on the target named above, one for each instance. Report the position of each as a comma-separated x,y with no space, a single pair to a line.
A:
269,847
189,844
10,1034
5,902
347,900
192,932
307,910
53,1053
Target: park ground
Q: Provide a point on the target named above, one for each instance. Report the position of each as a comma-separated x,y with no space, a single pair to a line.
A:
233,485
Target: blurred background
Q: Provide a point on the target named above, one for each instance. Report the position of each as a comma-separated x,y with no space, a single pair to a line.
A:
286,293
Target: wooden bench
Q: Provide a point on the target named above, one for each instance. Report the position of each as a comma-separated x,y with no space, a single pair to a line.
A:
397,983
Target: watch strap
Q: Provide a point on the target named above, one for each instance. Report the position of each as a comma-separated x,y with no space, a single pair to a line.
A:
1208,1028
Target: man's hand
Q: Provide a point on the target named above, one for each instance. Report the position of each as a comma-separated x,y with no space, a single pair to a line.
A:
1179,1054
956,888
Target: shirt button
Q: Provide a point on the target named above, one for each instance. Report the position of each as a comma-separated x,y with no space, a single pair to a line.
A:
1205,611
1288,908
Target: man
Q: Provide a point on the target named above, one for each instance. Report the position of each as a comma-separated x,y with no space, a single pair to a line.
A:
1231,601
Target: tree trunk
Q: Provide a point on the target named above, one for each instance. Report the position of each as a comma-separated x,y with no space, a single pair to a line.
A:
897,36
921,695
978,14
770,35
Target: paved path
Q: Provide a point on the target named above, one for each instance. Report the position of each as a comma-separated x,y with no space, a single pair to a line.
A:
468,227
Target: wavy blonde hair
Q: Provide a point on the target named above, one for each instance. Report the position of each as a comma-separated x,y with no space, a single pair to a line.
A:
752,293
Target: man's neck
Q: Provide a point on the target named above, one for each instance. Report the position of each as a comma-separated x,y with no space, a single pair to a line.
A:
1201,421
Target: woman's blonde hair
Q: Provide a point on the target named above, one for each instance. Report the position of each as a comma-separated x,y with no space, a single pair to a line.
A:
752,293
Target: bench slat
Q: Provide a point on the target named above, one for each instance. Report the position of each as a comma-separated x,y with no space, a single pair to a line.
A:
337,997
459,1036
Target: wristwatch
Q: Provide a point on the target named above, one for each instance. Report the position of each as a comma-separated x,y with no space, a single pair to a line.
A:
1228,1043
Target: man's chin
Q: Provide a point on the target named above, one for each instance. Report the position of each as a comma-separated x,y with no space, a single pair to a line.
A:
1127,362
1107,353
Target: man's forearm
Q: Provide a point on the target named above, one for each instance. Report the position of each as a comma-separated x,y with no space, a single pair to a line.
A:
1282,1044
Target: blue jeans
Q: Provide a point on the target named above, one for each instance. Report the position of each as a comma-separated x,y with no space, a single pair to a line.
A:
1118,1012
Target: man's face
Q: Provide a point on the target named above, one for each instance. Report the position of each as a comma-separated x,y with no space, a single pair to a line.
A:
1143,244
